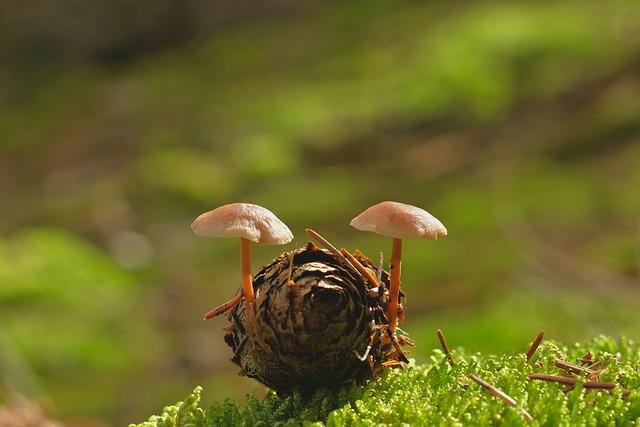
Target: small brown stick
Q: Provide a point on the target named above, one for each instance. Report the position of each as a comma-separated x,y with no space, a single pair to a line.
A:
445,347
495,391
324,242
405,340
396,345
290,282
361,268
587,359
391,363
573,368
223,308
554,378
600,385
380,268
534,345
573,381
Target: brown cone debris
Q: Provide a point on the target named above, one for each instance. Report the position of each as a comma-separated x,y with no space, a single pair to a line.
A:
317,322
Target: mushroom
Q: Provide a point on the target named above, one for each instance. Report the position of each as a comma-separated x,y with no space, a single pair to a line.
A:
252,223
398,221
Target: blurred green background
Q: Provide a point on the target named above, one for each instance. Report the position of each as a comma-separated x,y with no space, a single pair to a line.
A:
517,124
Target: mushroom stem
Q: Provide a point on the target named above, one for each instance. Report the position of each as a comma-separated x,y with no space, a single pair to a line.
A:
394,289
245,260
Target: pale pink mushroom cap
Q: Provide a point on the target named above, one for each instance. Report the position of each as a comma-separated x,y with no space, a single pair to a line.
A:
400,221
251,222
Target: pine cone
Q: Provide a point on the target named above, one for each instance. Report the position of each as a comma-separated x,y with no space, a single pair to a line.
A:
324,326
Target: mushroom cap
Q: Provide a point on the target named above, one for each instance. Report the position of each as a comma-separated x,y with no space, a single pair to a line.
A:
400,221
246,220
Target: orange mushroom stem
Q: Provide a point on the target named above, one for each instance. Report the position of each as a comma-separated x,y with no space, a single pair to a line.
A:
398,221
245,260
252,223
394,289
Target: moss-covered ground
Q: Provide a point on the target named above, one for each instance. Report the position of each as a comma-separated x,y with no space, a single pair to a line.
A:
437,393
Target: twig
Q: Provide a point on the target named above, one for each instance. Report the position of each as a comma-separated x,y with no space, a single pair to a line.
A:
573,381
573,368
223,308
600,385
534,345
290,282
396,345
380,268
361,268
324,242
587,359
495,391
445,348
554,378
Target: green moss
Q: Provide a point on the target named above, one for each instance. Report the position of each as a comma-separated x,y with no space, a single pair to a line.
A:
436,393
182,414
